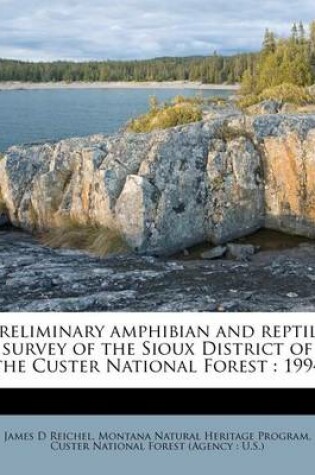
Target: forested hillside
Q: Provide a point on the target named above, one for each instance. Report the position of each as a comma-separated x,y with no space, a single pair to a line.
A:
283,61
290,60
214,69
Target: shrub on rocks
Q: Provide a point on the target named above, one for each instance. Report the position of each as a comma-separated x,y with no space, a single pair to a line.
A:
288,93
179,112
285,93
227,133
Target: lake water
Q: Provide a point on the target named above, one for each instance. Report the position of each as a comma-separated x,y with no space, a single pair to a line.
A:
28,116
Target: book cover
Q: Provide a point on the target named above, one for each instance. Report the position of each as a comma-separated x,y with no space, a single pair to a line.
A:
157,225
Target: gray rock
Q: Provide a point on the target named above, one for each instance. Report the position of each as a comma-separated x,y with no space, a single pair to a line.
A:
212,181
230,306
242,252
269,107
43,279
292,295
165,191
215,253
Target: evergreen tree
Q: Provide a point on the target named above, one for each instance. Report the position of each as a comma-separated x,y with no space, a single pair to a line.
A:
283,61
248,85
294,33
312,37
269,43
301,33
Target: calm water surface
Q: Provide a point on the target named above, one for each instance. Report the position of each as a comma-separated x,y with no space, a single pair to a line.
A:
33,116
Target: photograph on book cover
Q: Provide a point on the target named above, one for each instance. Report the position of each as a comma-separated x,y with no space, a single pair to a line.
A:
157,233
157,156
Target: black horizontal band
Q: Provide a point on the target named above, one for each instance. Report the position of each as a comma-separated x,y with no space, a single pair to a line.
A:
157,401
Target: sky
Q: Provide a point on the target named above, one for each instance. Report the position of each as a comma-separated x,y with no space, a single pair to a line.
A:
137,29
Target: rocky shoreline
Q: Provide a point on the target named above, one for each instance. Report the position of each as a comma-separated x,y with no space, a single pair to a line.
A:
214,181
36,278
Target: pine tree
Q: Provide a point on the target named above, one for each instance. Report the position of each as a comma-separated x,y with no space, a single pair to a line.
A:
269,43
248,85
301,33
312,37
294,33
283,61
312,48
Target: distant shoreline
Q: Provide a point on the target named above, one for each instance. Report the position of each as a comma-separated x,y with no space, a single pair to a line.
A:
13,86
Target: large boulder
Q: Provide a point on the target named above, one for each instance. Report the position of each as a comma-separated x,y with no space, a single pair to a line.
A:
214,181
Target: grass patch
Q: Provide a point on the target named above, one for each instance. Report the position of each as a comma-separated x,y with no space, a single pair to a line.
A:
3,207
180,111
98,240
227,133
248,101
187,100
286,92
216,100
199,100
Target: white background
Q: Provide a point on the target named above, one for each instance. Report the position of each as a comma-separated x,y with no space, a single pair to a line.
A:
128,380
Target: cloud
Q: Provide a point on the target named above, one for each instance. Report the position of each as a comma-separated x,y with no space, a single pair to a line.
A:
103,29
